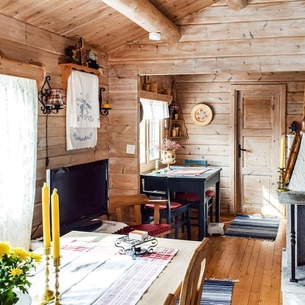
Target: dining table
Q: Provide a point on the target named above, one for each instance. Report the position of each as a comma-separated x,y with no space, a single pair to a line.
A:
100,269
193,179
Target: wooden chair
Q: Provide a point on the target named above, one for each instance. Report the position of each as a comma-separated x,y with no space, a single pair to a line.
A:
175,213
190,292
170,300
194,198
118,203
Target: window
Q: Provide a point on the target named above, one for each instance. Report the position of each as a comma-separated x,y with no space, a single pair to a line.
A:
151,131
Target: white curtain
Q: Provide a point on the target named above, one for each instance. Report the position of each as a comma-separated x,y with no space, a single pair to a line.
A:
18,154
154,110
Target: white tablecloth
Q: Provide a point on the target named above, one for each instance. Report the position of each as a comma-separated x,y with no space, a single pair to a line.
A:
96,273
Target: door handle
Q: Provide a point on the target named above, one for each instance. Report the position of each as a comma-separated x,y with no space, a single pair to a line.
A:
240,150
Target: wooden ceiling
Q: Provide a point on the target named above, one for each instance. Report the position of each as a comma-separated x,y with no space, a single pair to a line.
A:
109,24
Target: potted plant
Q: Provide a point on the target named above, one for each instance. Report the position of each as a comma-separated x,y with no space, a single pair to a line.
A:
16,265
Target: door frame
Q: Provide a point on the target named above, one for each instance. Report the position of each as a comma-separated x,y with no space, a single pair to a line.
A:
235,88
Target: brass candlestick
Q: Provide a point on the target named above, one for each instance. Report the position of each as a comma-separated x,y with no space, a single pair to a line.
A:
56,293
48,294
281,184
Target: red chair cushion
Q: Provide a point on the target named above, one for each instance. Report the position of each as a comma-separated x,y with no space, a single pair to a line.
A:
174,205
210,193
151,229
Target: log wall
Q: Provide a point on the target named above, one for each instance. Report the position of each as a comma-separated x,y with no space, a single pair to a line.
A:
212,142
25,43
219,47
261,37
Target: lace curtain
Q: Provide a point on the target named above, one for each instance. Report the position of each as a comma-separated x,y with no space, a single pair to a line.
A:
154,110
18,155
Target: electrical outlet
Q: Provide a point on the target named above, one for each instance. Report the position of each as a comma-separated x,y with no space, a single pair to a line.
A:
130,149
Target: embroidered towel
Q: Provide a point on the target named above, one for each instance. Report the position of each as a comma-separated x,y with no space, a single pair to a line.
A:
78,138
82,116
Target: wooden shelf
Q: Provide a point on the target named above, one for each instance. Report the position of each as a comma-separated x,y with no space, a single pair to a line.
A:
155,96
22,69
66,70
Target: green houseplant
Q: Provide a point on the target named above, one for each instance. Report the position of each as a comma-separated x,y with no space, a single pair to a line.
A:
16,265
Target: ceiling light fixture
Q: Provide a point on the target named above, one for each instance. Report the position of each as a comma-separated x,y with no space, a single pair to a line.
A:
155,36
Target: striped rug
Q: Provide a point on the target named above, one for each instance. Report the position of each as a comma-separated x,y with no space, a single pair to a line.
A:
217,292
251,226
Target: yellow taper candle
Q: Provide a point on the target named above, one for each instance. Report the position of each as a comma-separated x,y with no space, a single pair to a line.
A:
55,224
46,216
282,160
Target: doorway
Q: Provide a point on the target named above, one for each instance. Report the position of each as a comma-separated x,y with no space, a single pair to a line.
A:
259,122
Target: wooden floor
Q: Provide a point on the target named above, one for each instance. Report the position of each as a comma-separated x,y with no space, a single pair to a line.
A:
254,264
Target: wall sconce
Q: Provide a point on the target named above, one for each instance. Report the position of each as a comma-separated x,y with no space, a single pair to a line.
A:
51,99
104,107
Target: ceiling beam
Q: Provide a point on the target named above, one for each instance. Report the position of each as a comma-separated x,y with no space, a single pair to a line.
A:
237,5
144,14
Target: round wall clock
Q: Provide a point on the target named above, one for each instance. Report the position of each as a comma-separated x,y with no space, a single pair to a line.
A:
201,114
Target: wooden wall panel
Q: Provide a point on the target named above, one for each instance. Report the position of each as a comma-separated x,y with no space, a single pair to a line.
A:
25,43
124,119
218,48
260,37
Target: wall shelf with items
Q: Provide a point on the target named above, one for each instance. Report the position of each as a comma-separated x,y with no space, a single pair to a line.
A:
176,124
177,129
66,70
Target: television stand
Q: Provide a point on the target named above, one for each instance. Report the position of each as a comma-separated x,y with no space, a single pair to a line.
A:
90,226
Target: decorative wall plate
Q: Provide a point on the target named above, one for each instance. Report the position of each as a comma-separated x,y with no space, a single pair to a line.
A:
201,114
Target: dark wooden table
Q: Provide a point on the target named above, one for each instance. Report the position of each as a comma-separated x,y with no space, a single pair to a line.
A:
195,183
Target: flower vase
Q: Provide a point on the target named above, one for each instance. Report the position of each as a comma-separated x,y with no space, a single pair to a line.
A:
168,157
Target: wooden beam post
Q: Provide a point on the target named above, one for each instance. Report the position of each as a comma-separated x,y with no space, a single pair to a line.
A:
144,14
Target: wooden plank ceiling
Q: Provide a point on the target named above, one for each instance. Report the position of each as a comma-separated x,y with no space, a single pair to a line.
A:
108,24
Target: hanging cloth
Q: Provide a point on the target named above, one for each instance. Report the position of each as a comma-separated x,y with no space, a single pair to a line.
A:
82,118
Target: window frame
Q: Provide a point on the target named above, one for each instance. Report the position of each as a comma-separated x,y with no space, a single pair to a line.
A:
148,163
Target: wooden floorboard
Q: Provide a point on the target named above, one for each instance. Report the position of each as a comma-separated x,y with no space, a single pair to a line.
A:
254,264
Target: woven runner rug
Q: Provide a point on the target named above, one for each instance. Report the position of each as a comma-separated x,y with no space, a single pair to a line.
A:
217,292
251,226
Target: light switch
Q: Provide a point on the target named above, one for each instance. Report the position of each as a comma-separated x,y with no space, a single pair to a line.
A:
130,149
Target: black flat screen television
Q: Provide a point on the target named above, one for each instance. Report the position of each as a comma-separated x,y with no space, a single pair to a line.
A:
83,194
